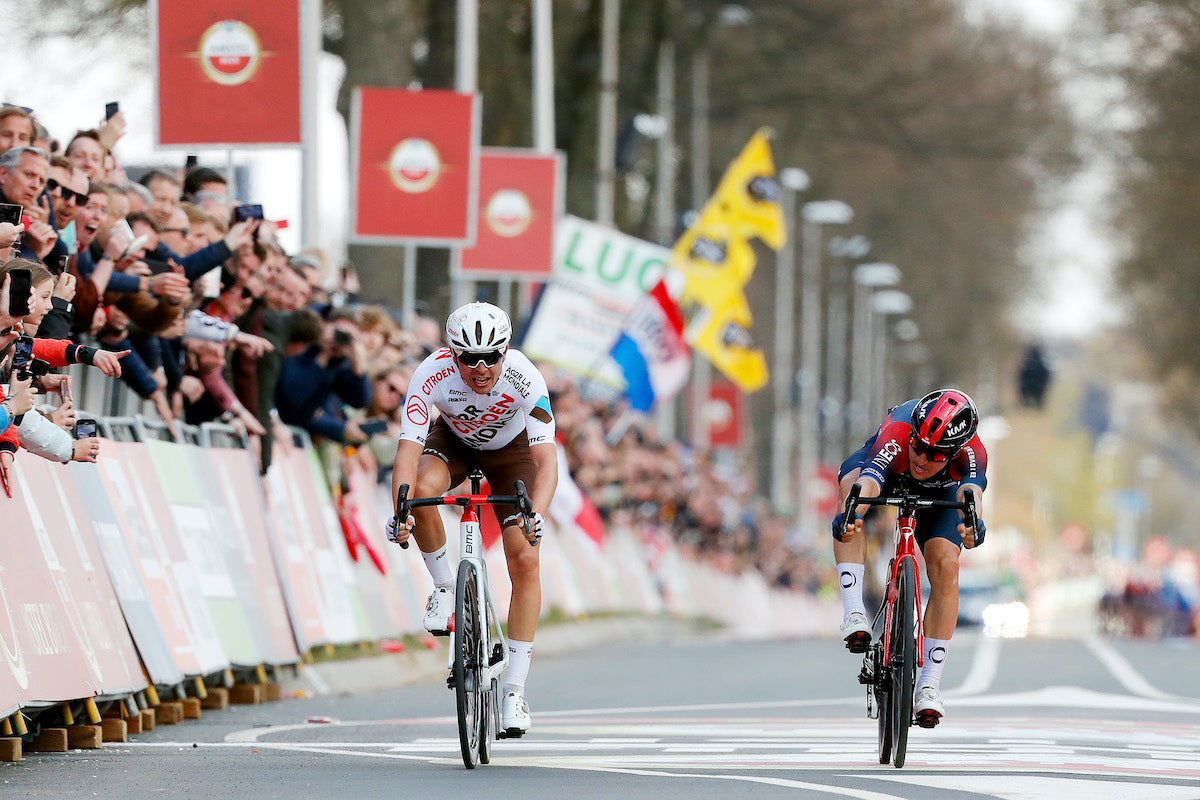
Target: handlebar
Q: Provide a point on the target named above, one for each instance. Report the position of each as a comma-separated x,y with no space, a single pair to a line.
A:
906,502
404,505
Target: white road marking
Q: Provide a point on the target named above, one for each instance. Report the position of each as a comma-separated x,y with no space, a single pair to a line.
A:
1122,670
983,669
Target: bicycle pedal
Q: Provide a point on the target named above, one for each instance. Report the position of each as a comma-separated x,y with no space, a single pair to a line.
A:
512,733
450,684
928,719
858,643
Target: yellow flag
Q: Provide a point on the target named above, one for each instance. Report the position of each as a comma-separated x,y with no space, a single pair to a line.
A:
749,194
717,261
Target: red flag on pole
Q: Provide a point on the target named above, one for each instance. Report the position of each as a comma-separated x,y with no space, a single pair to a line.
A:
227,72
520,197
416,166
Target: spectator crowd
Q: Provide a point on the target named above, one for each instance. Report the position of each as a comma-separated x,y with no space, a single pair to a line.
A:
169,285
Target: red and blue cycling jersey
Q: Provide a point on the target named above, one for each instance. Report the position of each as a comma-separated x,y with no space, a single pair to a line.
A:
884,456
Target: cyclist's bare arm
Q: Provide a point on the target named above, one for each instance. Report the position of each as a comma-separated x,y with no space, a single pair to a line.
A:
545,480
404,471
867,487
968,534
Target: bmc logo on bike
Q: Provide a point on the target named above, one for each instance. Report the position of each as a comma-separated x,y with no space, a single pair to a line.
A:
469,548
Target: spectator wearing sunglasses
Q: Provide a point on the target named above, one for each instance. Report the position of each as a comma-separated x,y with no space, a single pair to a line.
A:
928,445
68,191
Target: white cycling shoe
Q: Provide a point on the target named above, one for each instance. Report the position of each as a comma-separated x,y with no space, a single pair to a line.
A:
514,715
928,708
438,609
856,632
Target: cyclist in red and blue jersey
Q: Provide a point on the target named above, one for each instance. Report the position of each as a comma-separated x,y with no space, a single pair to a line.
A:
928,446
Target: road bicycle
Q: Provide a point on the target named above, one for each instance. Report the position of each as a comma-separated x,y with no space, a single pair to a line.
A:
478,650
890,665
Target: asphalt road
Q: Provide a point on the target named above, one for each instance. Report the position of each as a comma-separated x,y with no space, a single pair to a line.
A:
695,718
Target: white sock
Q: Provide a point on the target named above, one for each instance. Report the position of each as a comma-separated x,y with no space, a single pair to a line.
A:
934,662
439,568
850,576
519,656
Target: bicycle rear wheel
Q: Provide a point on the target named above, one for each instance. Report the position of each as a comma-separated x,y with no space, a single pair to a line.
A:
904,659
468,663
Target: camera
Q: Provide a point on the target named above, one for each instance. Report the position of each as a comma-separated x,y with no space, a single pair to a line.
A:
23,357
20,287
10,212
86,429
341,338
243,213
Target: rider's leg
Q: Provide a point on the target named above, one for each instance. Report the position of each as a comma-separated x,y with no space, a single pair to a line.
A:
851,557
941,614
433,479
524,608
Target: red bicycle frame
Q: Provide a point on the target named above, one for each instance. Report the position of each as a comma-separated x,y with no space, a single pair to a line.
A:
906,550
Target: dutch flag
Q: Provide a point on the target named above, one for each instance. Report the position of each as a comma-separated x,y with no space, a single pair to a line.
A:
651,350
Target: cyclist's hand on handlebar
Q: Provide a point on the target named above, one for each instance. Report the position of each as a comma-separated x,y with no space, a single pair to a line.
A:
400,533
537,526
843,532
973,537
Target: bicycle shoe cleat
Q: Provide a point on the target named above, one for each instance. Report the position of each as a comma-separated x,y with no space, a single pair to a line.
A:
515,720
928,707
856,632
438,610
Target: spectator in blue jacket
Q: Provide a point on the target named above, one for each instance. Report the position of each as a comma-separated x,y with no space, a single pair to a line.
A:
332,367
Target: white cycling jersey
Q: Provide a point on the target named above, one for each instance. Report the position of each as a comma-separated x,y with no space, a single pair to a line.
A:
519,401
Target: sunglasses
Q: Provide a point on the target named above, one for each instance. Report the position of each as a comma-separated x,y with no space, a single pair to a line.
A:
930,452
67,194
488,358
180,231
393,387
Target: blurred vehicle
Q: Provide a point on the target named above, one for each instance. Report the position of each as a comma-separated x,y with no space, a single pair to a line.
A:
991,604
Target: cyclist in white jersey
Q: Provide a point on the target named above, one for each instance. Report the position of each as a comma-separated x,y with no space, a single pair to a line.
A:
493,414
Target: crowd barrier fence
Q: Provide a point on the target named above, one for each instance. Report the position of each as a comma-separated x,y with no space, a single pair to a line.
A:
172,573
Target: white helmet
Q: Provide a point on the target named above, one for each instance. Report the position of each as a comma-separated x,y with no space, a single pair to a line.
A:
478,327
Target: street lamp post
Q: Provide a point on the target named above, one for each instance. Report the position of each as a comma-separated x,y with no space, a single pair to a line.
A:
890,302
792,180
867,278
815,214
833,407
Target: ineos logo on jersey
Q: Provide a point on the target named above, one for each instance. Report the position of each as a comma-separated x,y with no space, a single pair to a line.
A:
417,411
848,580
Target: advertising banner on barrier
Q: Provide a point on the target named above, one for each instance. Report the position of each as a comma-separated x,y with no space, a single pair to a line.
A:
37,642
227,72
170,579
196,505
292,549
415,171
520,197
85,592
236,473
155,638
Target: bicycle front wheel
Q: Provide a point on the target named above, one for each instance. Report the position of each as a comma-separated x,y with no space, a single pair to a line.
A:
904,659
468,663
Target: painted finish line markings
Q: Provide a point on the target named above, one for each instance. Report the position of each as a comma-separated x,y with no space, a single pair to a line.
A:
1064,746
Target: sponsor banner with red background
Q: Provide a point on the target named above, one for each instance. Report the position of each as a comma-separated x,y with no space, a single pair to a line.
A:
724,414
415,166
228,72
520,197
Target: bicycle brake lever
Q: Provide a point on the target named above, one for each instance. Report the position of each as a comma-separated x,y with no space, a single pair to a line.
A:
402,511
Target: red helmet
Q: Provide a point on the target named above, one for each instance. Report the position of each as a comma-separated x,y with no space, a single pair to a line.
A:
945,420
